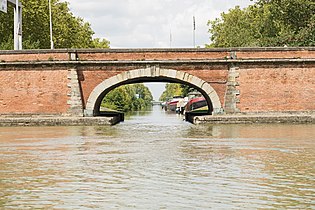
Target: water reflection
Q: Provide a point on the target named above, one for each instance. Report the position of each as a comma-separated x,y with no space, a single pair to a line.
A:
155,160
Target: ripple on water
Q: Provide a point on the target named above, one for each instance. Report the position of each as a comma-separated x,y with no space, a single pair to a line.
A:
160,163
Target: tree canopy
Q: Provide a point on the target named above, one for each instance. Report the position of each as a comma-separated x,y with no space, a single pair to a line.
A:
68,31
128,98
175,89
266,23
171,90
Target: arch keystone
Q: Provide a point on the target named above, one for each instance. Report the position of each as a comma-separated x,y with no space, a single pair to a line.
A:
147,72
155,71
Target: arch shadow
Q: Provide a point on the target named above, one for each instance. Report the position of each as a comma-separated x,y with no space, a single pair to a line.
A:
151,74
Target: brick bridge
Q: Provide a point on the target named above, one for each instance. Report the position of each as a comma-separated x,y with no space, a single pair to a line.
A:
237,80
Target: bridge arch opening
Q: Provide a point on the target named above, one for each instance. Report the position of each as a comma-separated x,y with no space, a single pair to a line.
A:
151,74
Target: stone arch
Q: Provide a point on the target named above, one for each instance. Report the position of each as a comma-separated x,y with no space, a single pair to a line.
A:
153,73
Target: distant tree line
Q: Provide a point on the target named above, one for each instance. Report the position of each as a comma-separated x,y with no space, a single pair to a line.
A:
68,31
266,23
128,98
175,89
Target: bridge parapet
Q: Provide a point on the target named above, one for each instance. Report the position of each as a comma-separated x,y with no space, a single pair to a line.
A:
35,55
156,54
196,54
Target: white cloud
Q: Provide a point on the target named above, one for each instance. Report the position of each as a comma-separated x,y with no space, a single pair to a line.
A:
147,23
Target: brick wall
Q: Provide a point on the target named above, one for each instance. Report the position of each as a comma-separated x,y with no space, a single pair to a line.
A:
33,92
277,88
153,55
196,54
34,55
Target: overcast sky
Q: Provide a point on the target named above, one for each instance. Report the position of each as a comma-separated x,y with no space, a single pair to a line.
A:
149,23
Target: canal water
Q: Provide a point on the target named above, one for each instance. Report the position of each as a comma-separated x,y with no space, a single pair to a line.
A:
155,160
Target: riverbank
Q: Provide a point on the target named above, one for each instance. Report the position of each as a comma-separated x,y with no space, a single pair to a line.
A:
255,118
58,121
112,120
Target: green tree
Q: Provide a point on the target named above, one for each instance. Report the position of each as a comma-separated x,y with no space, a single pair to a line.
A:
6,29
265,23
171,90
233,29
68,31
186,89
128,98
295,19
99,43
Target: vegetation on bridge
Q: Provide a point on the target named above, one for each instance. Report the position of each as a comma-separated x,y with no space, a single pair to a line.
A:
128,98
266,23
68,31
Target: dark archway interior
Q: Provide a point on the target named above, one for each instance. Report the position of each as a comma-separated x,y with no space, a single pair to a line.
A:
97,106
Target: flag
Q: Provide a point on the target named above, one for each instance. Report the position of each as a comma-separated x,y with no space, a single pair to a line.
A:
194,23
3,5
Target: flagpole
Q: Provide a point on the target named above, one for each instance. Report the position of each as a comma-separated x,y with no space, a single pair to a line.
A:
171,37
16,25
194,32
50,26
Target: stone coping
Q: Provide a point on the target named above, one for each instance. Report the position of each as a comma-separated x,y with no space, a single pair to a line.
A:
254,118
182,61
130,50
57,121
207,119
